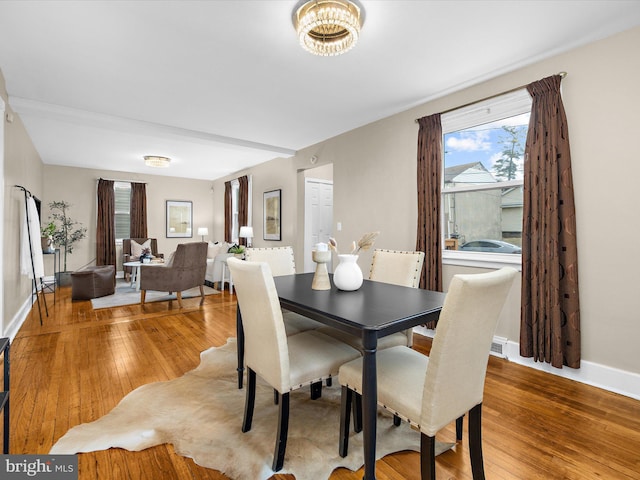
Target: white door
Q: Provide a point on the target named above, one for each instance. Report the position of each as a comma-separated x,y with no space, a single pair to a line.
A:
318,216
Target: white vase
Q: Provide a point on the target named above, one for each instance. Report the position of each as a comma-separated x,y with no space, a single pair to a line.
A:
348,275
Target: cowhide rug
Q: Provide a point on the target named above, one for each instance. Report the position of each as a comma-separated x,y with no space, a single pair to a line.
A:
201,412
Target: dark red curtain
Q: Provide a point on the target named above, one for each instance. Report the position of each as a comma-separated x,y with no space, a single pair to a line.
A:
243,207
105,225
228,212
428,239
550,317
138,211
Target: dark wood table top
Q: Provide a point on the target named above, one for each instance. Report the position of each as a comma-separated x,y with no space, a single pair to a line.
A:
375,306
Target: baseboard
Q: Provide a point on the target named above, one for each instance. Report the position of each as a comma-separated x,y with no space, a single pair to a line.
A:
590,373
18,319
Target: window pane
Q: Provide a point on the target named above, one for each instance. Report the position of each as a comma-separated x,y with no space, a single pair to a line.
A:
476,209
122,192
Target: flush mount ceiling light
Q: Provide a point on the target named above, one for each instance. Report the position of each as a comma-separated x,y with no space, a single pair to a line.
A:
328,27
155,161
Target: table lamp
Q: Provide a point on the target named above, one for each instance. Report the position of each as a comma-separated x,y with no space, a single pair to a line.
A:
203,232
246,232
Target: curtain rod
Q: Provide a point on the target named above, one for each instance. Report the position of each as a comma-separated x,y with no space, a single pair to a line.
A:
24,189
115,180
562,75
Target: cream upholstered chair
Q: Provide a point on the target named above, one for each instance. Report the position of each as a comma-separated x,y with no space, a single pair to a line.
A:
389,266
282,262
284,362
430,392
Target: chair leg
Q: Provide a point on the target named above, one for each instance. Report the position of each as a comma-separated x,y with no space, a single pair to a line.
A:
143,293
346,398
475,442
276,397
357,413
201,294
283,430
179,295
250,400
329,381
316,390
427,457
396,421
459,428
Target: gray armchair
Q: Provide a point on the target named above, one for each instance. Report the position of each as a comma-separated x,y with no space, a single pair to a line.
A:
184,270
126,251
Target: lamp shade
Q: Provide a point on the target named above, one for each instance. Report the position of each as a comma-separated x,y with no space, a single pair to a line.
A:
246,232
203,231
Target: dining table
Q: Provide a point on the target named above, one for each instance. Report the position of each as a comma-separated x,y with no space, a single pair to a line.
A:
373,311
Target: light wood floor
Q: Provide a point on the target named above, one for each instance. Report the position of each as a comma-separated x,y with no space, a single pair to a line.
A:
77,367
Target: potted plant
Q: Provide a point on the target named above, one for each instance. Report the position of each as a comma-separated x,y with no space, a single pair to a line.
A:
47,237
237,250
67,233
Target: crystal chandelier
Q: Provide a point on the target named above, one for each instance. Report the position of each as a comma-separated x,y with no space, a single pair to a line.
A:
328,27
155,161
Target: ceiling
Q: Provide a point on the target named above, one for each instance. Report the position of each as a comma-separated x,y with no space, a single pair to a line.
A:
219,86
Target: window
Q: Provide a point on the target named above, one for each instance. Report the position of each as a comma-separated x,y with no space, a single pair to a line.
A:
482,196
122,192
235,202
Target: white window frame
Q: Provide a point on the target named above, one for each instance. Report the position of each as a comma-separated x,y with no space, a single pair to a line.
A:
496,108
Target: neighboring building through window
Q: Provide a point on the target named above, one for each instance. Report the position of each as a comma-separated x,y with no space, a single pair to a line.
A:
122,192
482,196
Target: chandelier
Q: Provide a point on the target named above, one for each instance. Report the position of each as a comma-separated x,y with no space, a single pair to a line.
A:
155,161
328,27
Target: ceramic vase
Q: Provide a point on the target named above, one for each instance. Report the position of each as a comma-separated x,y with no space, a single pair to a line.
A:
348,275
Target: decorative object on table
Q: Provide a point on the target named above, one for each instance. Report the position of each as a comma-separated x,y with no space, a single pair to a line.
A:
272,209
237,250
203,232
47,238
145,256
321,255
246,232
67,233
179,219
348,275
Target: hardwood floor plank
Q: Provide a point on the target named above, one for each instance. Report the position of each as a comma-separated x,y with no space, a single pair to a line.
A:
82,362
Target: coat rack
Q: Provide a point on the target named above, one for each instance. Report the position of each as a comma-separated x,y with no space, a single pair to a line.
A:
27,195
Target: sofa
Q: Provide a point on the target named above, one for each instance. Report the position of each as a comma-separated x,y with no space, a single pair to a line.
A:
216,254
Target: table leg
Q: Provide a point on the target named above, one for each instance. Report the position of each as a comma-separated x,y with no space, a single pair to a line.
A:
369,403
137,279
240,345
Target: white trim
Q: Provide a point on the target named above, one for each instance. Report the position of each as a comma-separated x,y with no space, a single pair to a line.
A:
590,373
18,319
481,259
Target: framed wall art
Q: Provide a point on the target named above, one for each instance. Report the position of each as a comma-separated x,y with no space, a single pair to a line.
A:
179,219
272,209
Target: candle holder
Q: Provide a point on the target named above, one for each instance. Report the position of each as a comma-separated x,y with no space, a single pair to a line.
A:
321,277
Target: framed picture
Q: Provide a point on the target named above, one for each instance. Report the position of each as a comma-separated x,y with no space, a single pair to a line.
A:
271,211
179,219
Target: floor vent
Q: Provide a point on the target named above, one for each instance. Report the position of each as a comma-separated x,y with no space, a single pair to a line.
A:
498,347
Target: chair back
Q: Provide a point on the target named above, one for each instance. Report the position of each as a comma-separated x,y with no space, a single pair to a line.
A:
126,244
266,350
191,256
397,267
454,381
280,259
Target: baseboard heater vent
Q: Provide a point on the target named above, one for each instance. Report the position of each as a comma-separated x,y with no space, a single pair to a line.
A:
499,347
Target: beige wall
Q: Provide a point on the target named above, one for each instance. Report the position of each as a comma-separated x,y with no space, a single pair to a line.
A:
22,166
375,184
78,187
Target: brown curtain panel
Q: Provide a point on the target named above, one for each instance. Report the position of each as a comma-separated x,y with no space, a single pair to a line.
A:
138,211
243,207
550,317
105,226
429,177
227,212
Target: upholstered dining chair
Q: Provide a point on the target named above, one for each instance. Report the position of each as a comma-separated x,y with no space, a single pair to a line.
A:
185,269
282,262
286,363
431,392
388,266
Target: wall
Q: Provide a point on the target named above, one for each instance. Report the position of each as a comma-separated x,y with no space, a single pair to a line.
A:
78,187
375,187
22,166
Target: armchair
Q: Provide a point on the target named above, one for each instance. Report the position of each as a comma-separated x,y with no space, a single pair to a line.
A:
185,269
129,256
